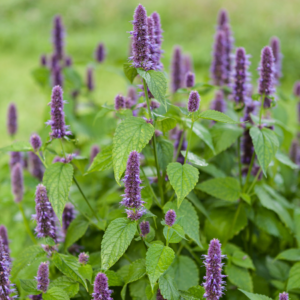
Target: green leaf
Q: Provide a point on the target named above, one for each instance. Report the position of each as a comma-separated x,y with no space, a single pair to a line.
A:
246,198
166,124
227,188
284,159
277,269
196,201
290,254
55,293
131,134
158,260
86,272
217,116
114,279
116,240
168,288
69,266
138,289
76,230
265,145
58,180
294,277
297,225
130,71
165,151
29,286
42,76
195,159
70,286
193,293
103,160
136,271
188,219
27,257
255,296
242,259
17,147
176,233
239,277
183,179
157,84
213,171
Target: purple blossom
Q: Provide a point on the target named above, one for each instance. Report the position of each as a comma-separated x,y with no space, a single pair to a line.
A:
250,108
83,258
153,105
178,137
12,125
43,277
90,79
17,182
228,49
36,297
194,101
158,40
189,79
297,89
101,290
295,152
128,103
145,228
68,158
35,166
119,102
44,214
100,53
135,215
218,67
95,149
219,103
15,157
67,216
58,35
275,45
140,39
68,61
214,279
57,76
53,62
241,80
35,142
187,64
43,60
5,241
223,18
170,217
132,95
152,44
284,296
176,69
266,80
247,147
159,296
57,122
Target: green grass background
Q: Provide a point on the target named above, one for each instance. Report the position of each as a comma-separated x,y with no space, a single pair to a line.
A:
25,33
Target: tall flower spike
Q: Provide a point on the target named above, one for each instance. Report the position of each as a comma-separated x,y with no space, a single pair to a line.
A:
35,142
132,94
57,76
284,296
214,279
68,216
101,290
100,53
187,64
58,35
15,157
44,214
119,102
90,79
140,40
180,158
219,103
275,45
12,124
145,228
43,277
223,18
43,60
176,69
57,122
297,89
295,152
83,258
218,67
152,45
194,101
94,151
17,182
35,166
266,79
170,217
189,79
241,80
158,40
5,241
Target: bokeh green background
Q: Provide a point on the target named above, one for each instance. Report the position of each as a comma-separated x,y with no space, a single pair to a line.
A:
25,33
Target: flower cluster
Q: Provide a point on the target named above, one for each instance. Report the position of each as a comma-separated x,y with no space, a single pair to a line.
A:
100,53
284,296
17,182
90,79
5,241
58,34
275,45
83,258
157,41
189,79
119,102
219,103
35,142
176,69
67,216
12,125
43,277
35,166
101,290
218,67
194,101
145,228
95,149
170,217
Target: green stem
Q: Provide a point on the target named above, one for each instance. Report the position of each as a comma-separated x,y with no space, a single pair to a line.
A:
154,145
179,146
254,181
234,221
26,224
239,159
167,239
179,250
40,157
249,171
185,245
261,107
62,147
189,142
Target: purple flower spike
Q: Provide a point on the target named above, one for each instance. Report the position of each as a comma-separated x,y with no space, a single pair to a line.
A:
100,53
135,215
145,228
158,40
194,101
214,278
189,79
57,122
152,44
178,136
119,102
101,290
94,151
159,296
68,61
176,69
5,241
275,45
58,35
83,258
170,217
223,18
90,79
247,147
36,297
241,78
44,214
43,277
17,182
35,166
297,89
35,142
12,124
266,80
43,60
284,296
57,76
68,216
15,157
219,103
187,64
132,95
140,39
295,152
218,67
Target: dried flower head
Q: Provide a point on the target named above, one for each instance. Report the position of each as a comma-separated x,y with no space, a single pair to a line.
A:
145,228
43,277
35,142
284,296
194,101
101,290
176,69
189,79
90,79
100,53
119,102
218,67
35,166
170,217
83,258
67,217
95,149
275,45
17,182
58,35
12,125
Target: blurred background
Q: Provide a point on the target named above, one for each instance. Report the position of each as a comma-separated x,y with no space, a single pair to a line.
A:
25,34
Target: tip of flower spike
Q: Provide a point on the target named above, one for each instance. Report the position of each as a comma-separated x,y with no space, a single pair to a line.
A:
170,217
223,18
35,142
284,296
297,89
194,101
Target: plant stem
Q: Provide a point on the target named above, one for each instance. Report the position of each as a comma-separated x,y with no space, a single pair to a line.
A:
62,147
249,171
189,142
234,221
239,159
40,157
26,224
179,146
261,107
167,239
154,144
179,250
254,181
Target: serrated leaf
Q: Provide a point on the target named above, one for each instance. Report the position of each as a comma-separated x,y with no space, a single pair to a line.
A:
158,260
193,293
168,288
217,116
284,159
76,230
165,151
227,188
29,286
58,179
136,271
239,277
265,145
290,254
183,179
114,279
195,159
129,71
86,272
131,134
294,278
116,240
166,124
70,286
17,147
242,259
103,160
69,266
55,293
176,233
252,296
